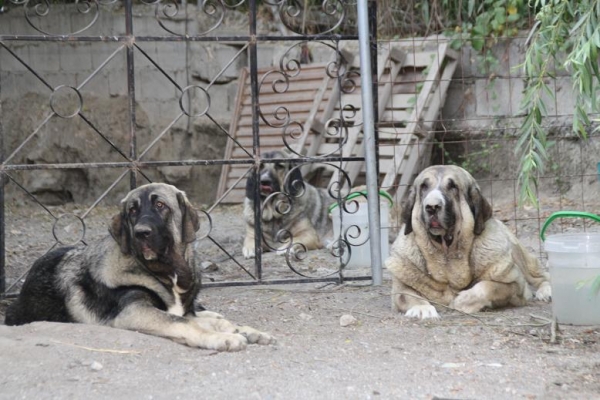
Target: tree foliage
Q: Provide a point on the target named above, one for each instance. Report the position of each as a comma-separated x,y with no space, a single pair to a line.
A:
566,35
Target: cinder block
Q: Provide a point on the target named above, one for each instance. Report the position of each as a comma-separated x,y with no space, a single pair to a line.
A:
564,94
17,84
209,61
76,57
58,78
266,56
117,84
98,86
45,56
102,51
170,56
111,21
10,62
492,97
5,24
154,85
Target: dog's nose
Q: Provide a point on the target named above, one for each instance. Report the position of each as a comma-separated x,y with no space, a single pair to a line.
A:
142,231
432,209
433,202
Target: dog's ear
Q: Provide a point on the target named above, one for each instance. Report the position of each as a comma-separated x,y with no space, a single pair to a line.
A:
407,208
119,231
189,219
294,185
481,209
250,185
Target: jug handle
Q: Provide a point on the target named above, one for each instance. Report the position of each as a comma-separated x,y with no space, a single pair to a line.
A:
564,214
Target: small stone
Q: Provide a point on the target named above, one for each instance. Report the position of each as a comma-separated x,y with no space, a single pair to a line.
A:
96,366
209,266
347,320
305,317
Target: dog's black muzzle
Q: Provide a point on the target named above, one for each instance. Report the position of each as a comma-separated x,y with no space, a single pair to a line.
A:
268,183
148,241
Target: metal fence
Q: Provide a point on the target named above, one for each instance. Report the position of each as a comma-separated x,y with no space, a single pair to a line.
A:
132,158
148,121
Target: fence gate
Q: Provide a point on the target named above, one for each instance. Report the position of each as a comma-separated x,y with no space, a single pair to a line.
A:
101,96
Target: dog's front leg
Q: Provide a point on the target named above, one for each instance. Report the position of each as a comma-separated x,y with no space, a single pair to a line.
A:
304,237
488,294
216,322
410,275
144,318
248,249
408,301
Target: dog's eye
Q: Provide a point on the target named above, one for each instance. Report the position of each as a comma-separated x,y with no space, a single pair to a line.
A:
452,185
159,205
424,186
279,166
132,211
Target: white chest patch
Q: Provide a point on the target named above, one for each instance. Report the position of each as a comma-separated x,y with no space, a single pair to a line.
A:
177,308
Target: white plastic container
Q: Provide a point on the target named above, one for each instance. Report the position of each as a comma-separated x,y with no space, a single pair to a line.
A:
574,260
354,228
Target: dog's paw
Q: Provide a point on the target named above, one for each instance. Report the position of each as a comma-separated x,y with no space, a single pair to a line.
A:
424,311
248,252
226,342
544,292
255,336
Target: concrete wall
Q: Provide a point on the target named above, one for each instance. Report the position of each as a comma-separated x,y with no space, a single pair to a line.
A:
191,63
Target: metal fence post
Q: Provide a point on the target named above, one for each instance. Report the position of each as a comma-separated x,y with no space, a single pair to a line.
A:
131,89
366,80
2,220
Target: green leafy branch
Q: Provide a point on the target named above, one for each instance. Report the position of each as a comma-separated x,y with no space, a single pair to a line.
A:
563,27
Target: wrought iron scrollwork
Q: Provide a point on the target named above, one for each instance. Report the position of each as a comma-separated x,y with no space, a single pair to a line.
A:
36,10
324,18
295,252
293,130
211,12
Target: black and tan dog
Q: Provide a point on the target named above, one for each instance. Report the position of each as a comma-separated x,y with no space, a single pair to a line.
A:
294,213
453,252
136,278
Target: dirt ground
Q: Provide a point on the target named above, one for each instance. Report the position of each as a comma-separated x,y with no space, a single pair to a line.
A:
502,354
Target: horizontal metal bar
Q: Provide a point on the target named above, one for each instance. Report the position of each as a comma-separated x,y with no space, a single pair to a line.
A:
122,38
254,283
181,163
284,281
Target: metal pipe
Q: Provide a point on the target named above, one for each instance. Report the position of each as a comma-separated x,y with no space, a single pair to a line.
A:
369,141
131,89
253,59
2,205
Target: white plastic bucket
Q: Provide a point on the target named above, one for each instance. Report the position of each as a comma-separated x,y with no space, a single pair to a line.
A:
574,260
353,227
